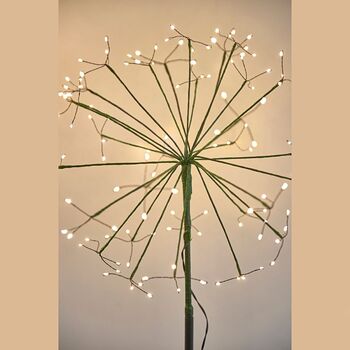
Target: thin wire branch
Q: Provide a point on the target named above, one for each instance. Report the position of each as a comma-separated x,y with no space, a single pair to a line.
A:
171,171
142,107
155,229
220,220
117,164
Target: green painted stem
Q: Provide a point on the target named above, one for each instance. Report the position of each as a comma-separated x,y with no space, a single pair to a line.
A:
187,192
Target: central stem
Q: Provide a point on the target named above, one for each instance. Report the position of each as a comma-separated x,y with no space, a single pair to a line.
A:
187,191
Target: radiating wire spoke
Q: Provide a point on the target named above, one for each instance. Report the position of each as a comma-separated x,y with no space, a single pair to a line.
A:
220,221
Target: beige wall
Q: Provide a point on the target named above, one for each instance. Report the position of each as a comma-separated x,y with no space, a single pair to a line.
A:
103,313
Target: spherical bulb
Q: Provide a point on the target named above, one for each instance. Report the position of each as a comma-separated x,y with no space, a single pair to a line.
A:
147,156
242,55
129,55
131,287
238,278
117,263
177,86
103,158
105,273
60,94
117,271
240,224
284,186
80,245
224,95
208,76
263,196
281,53
200,234
144,216
261,267
66,78
272,263
260,236
65,87
80,86
217,132
205,212
71,126
288,212
263,100
114,228
106,38
172,212
140,284
208,47
87,239
218,283
246,125
116,189
106,51
174,191
70,235
68,201
64,231
264,210
137,52
233,31
277,241
254,144
180,42
269,70
166,40
145,278
203,282
228,142
285,228
81,74
149,295
154,173
279,83
250,149
193,62
168,228
217,30
103,140
107,236
173,267
254,54
213,40
178,290
289,142
243,277
250,211
155,47
246,48
172,27
215,145
127,231
137,61
249,36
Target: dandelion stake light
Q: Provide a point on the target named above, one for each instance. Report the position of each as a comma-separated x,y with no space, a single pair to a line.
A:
181,156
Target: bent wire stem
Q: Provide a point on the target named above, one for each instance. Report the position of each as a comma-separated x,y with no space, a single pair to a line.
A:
189,153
